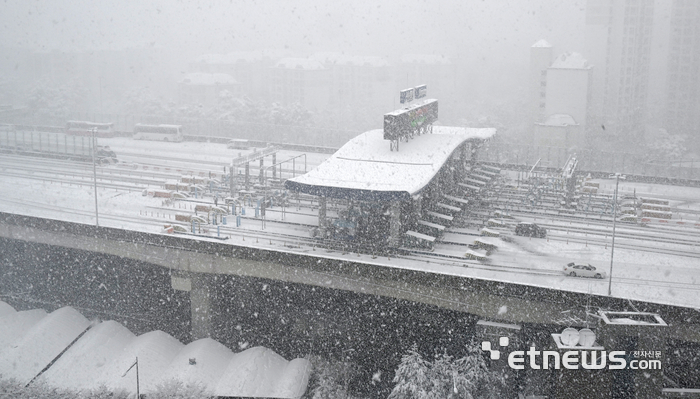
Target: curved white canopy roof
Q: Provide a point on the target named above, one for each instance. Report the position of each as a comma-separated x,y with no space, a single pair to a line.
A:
366,168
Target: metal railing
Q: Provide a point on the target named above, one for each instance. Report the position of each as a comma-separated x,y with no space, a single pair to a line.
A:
592,161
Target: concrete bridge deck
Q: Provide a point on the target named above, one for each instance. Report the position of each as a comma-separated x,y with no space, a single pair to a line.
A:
188,259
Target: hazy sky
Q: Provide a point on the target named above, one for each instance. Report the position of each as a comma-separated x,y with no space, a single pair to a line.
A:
452,27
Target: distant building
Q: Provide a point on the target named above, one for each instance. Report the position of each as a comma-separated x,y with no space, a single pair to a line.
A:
251,69
206,88
356,79
618,44
568,91
560,97
559,131
102,76
682,95
300,80
348,84
646,58
540,59
436,71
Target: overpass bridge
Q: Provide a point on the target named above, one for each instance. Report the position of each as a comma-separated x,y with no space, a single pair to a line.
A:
191,261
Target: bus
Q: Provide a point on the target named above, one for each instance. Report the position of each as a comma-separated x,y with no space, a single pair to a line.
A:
84,128
158,132
238,144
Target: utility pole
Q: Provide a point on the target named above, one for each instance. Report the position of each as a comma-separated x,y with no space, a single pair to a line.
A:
231,182
612,251
138,388
94,174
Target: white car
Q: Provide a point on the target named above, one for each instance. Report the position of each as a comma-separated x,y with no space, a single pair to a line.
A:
587,270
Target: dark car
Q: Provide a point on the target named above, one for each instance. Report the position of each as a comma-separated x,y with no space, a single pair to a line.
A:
105,156
530,230
105,151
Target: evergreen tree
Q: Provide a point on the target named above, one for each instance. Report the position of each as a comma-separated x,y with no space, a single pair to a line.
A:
413,377
465,378
330,379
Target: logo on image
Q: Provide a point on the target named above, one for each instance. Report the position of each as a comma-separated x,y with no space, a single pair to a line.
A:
577,350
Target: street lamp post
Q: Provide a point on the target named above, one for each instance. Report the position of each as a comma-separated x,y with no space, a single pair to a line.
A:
612,250
94,174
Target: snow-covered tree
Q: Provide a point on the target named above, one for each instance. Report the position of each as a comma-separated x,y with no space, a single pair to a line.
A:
50,103
465,378
9,91
665,146
473,377
330,379
177,390
413,377
144,101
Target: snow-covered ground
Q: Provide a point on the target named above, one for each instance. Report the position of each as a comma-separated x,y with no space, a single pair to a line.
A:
637,274
201,156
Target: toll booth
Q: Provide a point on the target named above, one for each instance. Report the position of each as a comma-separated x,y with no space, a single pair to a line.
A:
373,195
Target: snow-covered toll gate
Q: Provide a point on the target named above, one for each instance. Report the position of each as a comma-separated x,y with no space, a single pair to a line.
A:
377,197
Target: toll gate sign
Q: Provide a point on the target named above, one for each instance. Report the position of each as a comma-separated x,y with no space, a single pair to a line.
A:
420,91
406,96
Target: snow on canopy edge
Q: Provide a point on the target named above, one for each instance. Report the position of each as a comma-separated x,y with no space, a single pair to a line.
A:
261,372
294,379
85,365
542,43
42,343
15,325
154,349
6,309
200,362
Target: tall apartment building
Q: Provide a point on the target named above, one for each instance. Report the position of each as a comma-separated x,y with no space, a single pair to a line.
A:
618,45
682,97
646,58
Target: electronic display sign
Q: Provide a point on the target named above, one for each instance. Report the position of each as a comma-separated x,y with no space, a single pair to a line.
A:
408,122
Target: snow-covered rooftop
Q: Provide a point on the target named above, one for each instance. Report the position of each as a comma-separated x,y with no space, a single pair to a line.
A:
200,78
570,61
299,63
542,43
30,340
347,59
560,120
242,56
425,59
365,167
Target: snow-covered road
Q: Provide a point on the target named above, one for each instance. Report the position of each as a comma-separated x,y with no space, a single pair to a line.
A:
671,277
